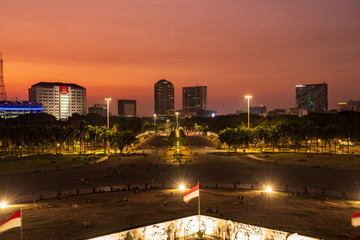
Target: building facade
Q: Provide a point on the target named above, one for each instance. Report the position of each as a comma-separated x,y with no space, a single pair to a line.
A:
194,100
98,109
211,227
349,106
126,108
59,99
14,109
313,97
258,110
164,98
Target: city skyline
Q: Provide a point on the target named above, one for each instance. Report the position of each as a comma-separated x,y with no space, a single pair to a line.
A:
121,48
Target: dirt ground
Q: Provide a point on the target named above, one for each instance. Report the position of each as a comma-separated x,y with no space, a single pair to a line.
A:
38,163
110,212
338,161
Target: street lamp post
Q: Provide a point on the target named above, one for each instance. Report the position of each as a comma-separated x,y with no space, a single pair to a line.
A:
167,125
107,110
154,119
177,120
248,98
107,120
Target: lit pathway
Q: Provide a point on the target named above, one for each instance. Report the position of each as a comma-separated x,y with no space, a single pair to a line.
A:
102,159
256,158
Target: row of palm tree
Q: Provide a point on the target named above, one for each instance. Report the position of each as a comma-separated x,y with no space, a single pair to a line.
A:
42,136
330,133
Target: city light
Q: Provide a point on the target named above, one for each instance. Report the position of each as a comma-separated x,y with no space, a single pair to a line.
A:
182,187
177,120
268,189
3,205
107,110
248,98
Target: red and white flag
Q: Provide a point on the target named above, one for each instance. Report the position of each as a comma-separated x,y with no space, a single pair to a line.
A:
355,220
12,222
193,193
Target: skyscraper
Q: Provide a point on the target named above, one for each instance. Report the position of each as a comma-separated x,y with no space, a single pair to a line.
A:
127,108
313,97
59,99
194,100
164,98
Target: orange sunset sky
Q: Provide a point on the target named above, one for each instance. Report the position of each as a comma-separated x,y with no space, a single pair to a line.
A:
120,48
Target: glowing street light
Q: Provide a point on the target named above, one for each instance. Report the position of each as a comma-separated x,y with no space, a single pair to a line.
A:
177,120
108,99
182,187
248,98
154,119
268,189
3,205
108,110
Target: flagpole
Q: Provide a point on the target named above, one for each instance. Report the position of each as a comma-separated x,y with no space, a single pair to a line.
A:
21,217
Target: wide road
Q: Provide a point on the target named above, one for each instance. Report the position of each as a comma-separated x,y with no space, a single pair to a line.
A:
207,166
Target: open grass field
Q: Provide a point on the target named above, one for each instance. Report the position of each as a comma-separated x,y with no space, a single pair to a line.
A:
44,162
63,219
351,162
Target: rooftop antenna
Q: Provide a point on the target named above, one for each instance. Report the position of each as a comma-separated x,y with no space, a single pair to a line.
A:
3,95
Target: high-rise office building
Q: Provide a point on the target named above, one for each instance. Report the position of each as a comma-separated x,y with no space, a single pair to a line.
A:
313,97
194,100
127,108
59,99
164,98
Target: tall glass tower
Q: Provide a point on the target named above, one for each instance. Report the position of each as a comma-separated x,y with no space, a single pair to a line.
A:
164,98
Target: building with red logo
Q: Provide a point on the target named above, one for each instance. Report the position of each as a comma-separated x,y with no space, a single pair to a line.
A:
59,99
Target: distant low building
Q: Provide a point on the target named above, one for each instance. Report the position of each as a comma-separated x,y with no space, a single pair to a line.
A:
126,108
277,112
14,109
98,109
349,106
300,112
258,110
238,112
206,113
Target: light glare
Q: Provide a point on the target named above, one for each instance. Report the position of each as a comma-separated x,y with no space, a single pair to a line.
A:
268,189
3,204
182,187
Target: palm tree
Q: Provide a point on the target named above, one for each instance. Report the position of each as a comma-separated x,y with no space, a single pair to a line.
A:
104,134
94,135
84,133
